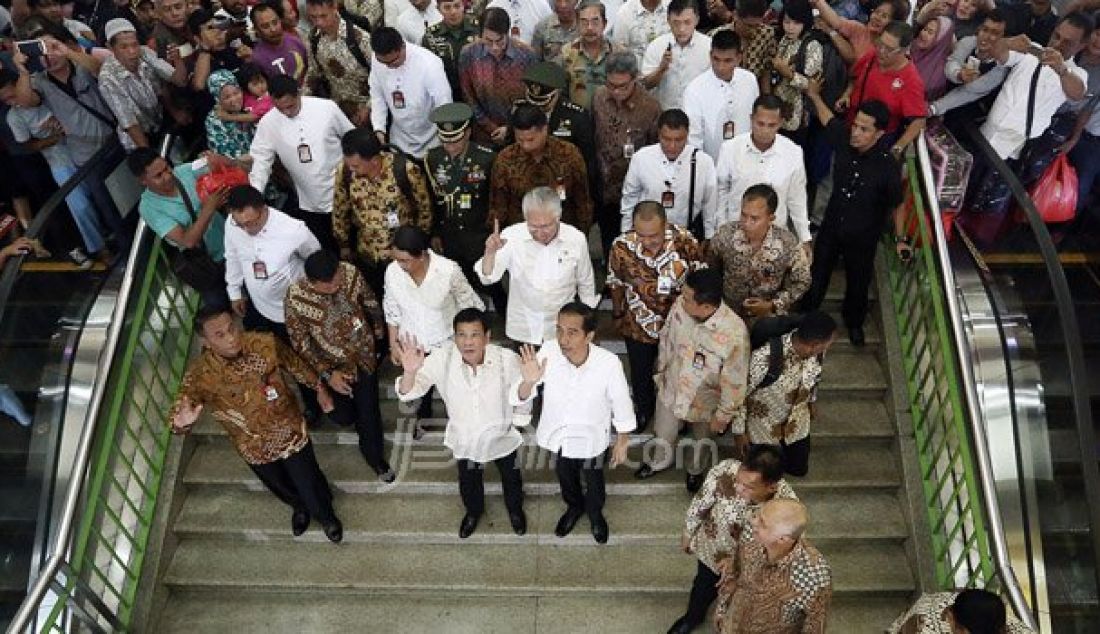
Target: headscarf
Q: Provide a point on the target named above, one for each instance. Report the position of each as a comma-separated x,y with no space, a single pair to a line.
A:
220,79
930,61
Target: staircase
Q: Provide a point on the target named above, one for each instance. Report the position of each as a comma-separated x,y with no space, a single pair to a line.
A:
231,565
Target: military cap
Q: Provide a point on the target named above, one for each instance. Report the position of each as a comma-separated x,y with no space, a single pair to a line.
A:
546,74
452,120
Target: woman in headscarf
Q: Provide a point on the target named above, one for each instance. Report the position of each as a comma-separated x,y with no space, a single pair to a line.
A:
929,53
229,128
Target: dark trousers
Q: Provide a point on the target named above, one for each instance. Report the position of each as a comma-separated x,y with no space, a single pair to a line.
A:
1085,157
592,496
466,249
363,410
471,485
703,593
299,482
859,261
610,218
795,456
320,225
424,408
254,321
643,358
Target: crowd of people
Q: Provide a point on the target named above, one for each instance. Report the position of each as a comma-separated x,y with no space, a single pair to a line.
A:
422,172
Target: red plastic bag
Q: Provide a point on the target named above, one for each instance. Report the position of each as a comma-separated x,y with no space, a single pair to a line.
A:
1055,193
219,177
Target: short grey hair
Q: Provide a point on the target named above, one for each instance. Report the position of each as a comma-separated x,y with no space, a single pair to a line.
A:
542,199
621,62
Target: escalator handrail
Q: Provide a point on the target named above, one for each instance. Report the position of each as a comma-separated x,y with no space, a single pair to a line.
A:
44,216
983,462
1067,316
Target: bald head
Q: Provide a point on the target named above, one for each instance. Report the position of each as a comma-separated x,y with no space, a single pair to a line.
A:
784,518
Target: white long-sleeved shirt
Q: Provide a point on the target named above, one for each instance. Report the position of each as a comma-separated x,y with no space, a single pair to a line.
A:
719,110
651,174
426,310
479,410
688,62
1005,126
543,279
412,23
525,15
741,165
635,26
268,262
314,135
581,404
409,93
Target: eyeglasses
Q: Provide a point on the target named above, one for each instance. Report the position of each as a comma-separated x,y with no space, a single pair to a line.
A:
887,50
612,86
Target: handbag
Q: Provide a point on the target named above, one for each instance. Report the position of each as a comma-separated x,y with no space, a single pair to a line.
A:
194,267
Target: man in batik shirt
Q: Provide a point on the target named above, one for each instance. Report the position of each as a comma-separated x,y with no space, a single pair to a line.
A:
340,64
970,610
646,270
239,375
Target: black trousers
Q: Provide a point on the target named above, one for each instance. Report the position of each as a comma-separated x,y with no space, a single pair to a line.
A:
461,252
320,225
592,496
363,410
703,593
299,482
859,261
610,219
795,456
471,484
642,357
424,408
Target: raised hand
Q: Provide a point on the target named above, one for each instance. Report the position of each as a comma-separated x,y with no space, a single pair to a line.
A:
409,354
494,242
530,368
186,415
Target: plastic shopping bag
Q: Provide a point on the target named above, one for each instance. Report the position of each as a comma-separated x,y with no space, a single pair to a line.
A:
1055,193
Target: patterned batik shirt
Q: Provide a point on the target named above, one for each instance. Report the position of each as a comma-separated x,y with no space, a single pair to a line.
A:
337,331
585,74
228,138
791,90
930,612
702,366
778,271
334,62
249,396
376,208
646,286
370,9
789,596
560,167
718,520
620,131
490,85
550,37
780,411
758,50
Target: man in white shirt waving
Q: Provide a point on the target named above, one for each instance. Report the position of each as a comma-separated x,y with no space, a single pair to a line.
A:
584,395
473,377
676,174
549,266
304,133
672,60
719,102
764,156
407,82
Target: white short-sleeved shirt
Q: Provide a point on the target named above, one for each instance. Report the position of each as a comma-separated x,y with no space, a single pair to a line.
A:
688,62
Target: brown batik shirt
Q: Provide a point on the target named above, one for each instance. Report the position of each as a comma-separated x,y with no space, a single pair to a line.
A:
376,208
782,410
621,131
789,596
249,396
559,167
335,332
778,271
718,520
644,287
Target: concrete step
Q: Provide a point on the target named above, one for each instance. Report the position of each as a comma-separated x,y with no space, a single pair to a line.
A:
837,515
498,570
429,469
200,612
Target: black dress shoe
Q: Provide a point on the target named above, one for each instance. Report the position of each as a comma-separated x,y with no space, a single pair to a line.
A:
519,522
567,522
386,473
681,626
299,522
855,335
645,472
695,482
334,531
468,526
599,529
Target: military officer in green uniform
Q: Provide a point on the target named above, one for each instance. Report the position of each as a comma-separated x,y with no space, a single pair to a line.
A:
546,83
458,174
447,38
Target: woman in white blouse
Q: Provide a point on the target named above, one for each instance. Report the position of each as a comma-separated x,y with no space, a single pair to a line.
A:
423,293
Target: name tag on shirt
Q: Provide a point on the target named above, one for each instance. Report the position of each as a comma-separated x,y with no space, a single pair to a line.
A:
398,100
665,284
270,393
259,270
465,201
668,199
392,221
628,150
700,361
728,130
304,154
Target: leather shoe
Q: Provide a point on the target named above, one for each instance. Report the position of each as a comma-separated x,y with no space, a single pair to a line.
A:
645,472
468,526
519,522
567,522
695,481
334,531
599,529
855,335
386,474
299,522
681,626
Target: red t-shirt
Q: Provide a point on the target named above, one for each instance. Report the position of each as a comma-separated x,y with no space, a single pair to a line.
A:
901,90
